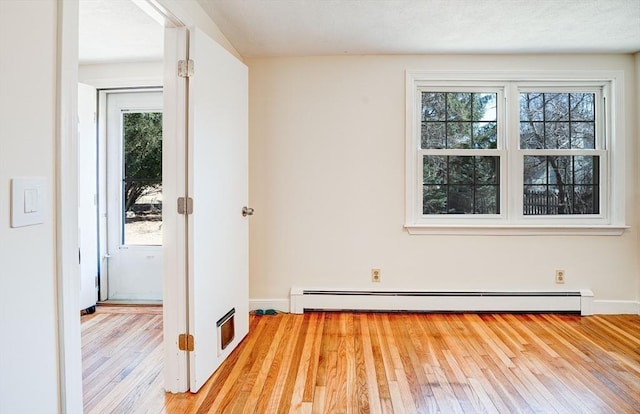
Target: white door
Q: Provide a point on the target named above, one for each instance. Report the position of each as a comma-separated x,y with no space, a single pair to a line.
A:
217,232
87,196
134,195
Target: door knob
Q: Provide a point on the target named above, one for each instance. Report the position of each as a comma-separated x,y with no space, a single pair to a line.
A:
247,211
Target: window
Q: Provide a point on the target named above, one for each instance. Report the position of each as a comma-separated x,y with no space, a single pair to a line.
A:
460,164
558,182
142,178
512,154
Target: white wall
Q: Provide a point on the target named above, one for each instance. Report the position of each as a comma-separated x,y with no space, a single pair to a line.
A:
327,182
636,115
28,351
122,75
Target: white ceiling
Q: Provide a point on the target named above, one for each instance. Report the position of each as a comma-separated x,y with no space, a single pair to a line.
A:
119,31
332,27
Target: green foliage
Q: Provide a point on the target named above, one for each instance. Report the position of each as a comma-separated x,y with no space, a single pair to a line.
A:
459,184
142,155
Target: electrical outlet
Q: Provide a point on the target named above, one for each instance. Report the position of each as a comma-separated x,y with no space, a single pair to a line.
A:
560,276
375,275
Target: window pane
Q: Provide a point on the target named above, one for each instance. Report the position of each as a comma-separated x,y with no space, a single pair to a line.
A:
561,185
434,170
434,135
485,107
142,182
461,185
531,135
583,106
459,106
485,135
434,199
487,169
536,200
556,106
487,199
460,199
556,135
459,135
531,107
583,135
535,170
434,106
585,199
461,170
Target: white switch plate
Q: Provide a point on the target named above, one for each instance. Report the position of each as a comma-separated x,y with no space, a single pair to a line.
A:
28,201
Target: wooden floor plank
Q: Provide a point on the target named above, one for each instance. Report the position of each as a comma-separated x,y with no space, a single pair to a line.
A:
376,363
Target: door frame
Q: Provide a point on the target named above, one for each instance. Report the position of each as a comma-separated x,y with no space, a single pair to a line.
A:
67,269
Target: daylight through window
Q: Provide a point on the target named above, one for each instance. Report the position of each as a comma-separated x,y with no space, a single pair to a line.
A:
515,153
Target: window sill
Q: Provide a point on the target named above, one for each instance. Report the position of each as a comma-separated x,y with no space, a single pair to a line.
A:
516,230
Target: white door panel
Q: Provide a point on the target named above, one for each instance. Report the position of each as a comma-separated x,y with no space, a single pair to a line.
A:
218,184
134,267
87,195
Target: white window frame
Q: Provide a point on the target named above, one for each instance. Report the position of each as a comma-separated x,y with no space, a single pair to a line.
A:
608,86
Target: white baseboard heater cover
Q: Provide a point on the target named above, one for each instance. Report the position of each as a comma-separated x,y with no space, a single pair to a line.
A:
413,301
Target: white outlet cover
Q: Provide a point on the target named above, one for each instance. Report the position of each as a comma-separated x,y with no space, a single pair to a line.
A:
29,204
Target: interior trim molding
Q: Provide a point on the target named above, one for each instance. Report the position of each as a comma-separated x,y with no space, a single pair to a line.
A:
616,307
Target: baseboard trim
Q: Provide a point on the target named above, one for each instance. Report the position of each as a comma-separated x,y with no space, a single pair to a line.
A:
281,305
616,307
598,307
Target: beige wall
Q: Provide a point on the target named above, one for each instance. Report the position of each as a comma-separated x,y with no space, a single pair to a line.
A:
327,178
28,352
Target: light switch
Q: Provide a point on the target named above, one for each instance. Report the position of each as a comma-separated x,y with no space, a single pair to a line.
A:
28,201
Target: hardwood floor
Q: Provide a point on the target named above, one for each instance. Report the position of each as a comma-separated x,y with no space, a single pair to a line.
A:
122,360
378,363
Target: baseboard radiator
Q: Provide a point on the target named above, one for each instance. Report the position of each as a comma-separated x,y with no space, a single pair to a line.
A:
580,302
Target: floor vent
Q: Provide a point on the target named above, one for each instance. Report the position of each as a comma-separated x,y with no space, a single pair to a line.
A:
424,301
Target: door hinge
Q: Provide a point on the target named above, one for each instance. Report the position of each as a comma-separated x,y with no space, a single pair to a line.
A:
185,68
185,205
185,342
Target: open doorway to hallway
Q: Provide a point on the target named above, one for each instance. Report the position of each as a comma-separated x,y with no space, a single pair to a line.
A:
121,50
120,106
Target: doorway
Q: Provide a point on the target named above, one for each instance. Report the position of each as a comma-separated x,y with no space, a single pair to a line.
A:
131,147
121,59
183,99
